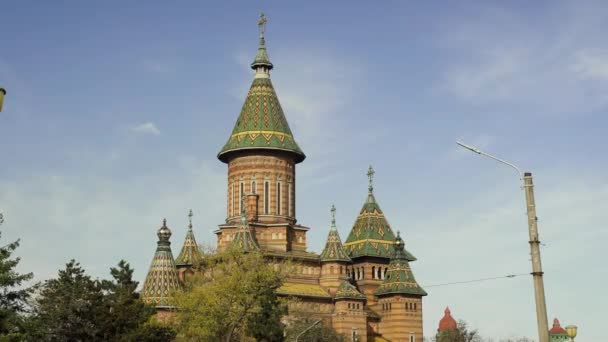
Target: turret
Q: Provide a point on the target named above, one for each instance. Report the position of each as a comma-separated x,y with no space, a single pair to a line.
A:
350,315
162,276
243,238
334,259
190,256
400,298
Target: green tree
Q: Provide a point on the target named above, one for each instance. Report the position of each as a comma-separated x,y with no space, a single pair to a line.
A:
124,312
235,289
265,323
69,308
13,295
302,325
462,334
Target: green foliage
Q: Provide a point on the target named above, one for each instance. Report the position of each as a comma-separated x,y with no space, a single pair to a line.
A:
13,295
461,334
234,296
74,307
301,324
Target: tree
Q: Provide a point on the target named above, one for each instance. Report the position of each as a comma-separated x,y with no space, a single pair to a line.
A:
318,333
69,308
13,295
124,312
461,334
222,303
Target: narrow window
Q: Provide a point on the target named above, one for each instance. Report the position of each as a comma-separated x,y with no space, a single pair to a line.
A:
278,198
241,196
415,307
411,338
341,271
253,187
266,197
379,275
373,272
231,200
288,199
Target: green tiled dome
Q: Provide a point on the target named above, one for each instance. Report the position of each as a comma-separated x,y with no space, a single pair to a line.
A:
162,275
399,278
348,291
261,124
334,251
371,234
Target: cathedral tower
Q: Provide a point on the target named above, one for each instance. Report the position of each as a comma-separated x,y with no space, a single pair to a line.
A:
262,154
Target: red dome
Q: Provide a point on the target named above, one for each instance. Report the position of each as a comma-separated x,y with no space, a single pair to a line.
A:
447,322
557,329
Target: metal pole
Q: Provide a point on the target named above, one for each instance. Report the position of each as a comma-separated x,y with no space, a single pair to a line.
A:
537,269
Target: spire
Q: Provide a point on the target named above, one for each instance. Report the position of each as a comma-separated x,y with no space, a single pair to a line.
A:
334,251
399,278
447,322
371,235
243,238
162,274
261,63
346,290
261,124
190,253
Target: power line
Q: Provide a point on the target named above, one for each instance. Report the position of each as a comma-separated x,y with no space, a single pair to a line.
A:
478,280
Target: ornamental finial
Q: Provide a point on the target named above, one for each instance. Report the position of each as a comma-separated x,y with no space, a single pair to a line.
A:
262,24
370,175
333,216
243,211
190,219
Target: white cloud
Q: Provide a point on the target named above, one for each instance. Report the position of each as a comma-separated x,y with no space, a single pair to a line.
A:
592,64
146,128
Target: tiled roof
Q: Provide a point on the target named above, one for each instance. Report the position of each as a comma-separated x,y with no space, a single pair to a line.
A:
303,290
262,123
346,290
334,251
447,322
190,253
162,275
399,278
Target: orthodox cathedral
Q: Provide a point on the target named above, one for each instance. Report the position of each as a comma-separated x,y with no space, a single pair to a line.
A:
363,288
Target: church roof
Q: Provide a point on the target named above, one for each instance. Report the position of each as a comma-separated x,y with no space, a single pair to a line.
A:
346,290
162,274
243,238
190,253
303,290
334,251
399,278
557,328
261,124
447,322
371,234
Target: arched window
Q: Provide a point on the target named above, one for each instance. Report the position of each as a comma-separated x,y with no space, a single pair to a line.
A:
253,187
278,198
341,271
414,306
385,270
412,338
231,200
373,272
266,186
379,275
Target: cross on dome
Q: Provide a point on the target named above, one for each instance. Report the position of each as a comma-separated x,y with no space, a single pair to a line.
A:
333,216
262,24
370,175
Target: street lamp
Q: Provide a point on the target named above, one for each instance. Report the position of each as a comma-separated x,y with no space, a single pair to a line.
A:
2,93
571,331
537,270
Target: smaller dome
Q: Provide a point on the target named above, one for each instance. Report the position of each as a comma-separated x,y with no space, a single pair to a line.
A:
557,329
164,233
447,322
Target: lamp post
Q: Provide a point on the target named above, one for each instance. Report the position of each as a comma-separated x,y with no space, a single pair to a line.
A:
2,93
537,270
571,331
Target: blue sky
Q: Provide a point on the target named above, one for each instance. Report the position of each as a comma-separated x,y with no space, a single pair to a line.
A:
115,113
